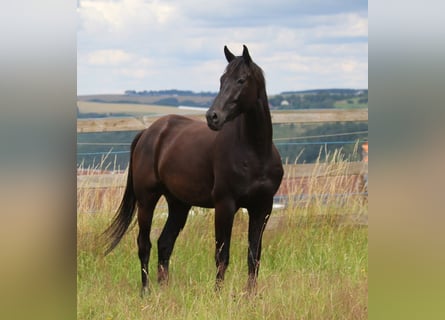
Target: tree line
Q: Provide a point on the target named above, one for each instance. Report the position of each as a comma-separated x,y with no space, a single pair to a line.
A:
317,99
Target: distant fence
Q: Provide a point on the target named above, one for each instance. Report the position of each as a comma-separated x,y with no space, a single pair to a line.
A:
106,142
348,179
297,116
101,179
335,183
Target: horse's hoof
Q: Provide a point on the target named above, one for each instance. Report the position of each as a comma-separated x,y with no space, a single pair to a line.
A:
144,292
251,287
219,285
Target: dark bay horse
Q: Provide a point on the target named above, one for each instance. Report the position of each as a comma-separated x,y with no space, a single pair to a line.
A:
233,165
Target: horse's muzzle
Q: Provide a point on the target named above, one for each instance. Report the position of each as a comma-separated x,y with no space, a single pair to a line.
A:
213,120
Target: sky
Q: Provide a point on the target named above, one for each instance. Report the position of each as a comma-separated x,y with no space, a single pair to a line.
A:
178,44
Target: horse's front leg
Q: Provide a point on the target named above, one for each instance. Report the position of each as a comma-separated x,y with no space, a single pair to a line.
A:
224,214
258,217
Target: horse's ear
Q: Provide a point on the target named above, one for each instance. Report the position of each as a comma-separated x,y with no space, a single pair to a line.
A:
229,55
246,55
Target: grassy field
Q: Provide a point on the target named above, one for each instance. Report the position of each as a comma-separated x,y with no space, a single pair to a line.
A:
314,265
311,269
350,103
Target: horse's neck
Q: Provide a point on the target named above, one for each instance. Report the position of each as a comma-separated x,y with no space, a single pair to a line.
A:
258,127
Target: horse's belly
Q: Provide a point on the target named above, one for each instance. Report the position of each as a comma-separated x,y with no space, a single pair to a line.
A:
193,193
188,181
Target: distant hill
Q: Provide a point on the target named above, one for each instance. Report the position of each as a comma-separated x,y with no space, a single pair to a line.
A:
329,91
320,99
165,98
307,99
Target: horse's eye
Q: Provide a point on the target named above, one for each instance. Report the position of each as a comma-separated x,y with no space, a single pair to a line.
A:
241,81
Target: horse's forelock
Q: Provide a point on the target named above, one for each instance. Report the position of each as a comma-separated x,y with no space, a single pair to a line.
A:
251,67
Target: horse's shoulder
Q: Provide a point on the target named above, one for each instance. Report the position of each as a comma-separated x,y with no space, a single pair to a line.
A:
176,120
173,119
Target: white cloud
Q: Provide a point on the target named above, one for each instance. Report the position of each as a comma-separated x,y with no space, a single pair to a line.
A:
122,18
135,73
109,57
137,44
342,25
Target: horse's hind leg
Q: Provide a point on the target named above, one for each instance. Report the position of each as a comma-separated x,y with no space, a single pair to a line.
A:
145,217
177,216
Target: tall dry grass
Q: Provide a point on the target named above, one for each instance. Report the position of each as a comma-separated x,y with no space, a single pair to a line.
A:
328,185
314,262
100,186
332,185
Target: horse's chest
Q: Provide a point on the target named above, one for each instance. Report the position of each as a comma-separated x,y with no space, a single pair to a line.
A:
256,179
244,175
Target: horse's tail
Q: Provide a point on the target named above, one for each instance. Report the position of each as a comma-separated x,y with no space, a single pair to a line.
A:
124,215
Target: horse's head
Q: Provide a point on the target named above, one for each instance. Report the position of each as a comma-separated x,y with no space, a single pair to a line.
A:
239,89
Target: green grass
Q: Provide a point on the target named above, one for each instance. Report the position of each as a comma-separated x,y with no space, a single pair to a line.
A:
311,268
343,104
314,263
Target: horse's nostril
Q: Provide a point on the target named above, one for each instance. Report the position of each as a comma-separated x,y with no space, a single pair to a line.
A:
212,119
